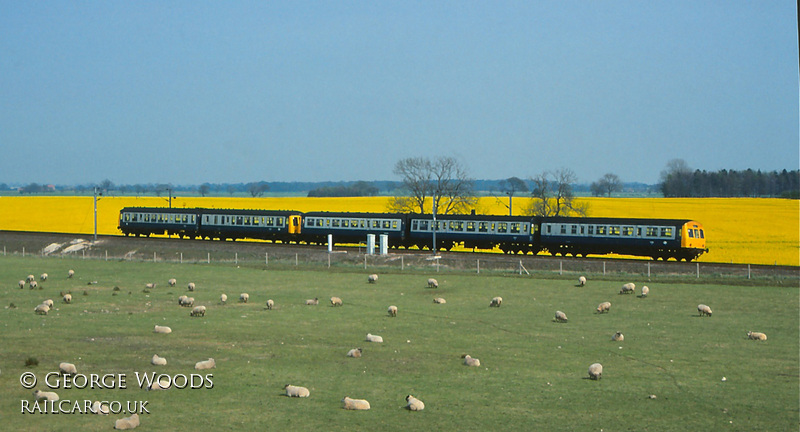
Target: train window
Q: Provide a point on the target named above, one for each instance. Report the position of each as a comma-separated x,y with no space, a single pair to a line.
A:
394,224
354,223
515,227
563,229
346,223
335,223
471,226
376,224
482,227
638,231
627,231
583,230
601,230
502,227
613,230
574,229
701,234
690,232
386,224
147,218
666,232
194,218
591,229
651,232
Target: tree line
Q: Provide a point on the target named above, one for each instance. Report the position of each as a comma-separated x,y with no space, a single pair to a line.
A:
678,180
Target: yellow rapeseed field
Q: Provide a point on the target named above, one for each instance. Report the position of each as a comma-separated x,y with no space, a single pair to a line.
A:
738,230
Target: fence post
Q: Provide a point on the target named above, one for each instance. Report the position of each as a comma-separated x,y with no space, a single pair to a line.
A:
648,269
561,267
295,260
698,270
329,260
266,258
106,255
479,266
181,257
154,257
365,261
402,263
236,258
604,268
209,258
23,251
748,271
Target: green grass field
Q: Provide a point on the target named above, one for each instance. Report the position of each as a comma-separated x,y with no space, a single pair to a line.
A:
533,373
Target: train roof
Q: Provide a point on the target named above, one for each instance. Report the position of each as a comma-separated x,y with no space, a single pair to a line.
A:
615,221
355,215
195,210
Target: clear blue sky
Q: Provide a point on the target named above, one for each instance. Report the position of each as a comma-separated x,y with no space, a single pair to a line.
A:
186,92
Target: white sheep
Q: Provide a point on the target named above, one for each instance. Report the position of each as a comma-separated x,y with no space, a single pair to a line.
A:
470,361
43,277
433,283
704,310
496,302
270,304
49,303
355,353
41,309
296,391
70,274
582,281
223,298
312,302
645,291
336,301
34,284
244,297
372,278
392,311
67,298
100,408
205,364
30,278
603,307
756,336
186,301
65,368
21,284
162,329
355,404
414,404
160,384
374,338
191,286
595,371
172,282
561,316
150,285
127,422
439,300
198,311
158,361
628,288
618,337
45,396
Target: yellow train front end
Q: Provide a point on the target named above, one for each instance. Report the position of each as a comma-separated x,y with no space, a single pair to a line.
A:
693,239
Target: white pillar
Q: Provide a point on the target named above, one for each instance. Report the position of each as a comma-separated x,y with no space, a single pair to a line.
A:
371,244
384,244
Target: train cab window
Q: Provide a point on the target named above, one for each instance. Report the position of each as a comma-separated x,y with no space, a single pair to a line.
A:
701,234
666,232
470,226
690,232
574,229
515,227
627,231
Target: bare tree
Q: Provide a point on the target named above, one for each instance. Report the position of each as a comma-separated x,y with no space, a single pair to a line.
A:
257,189
442,179
607,184
509,187
553,195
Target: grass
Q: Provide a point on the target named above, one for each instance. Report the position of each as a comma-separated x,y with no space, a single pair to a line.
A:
533,370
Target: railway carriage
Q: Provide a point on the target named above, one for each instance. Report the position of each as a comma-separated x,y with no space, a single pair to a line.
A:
657,238
353,227
145,221
273,225
509,233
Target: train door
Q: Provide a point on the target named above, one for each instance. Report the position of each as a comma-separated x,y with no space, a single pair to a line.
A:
294,224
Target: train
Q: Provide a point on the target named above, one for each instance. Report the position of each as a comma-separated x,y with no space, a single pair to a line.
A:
679,239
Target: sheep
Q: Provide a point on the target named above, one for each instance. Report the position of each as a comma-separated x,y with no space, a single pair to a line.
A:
43,277
223,298
414,404
496,302
756,335
296,391
41,309
172,282
49,303
30,278
704,310
336,301
186,301
392,311
162,329
65,368
34,284
355,353
127,422
561,316
21,284
244,297
67,298
312,302
158,361
45,396
582,281
374,338
433,283
70,274
628,288
161,384
270,304
206,364
100,408
191,286
198,311
618,337
595,371
603,307
355,404
372,278
470,361
439,300
150,285
645,291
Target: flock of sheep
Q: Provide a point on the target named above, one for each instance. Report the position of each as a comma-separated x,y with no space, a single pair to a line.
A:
595,370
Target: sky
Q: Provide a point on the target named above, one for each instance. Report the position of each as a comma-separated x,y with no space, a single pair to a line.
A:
187,92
